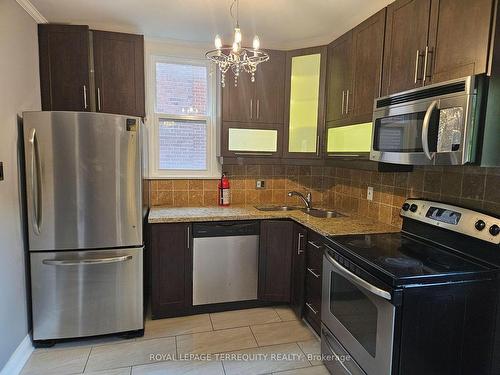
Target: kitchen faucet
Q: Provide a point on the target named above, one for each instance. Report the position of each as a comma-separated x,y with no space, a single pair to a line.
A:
307,199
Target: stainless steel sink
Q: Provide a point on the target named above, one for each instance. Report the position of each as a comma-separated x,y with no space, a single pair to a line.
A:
277,208
316,212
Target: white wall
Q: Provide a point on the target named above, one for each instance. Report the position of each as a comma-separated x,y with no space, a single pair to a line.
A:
19,91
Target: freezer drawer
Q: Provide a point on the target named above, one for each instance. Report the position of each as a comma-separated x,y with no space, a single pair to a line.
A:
86,293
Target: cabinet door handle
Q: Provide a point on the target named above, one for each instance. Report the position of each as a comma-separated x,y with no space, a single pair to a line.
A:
258,109
85,97
299,244
426,61
314,244
251,108
318,145
188,236
347,103
254,153
98,99
343,100
343,155
311,271
417,60
315,312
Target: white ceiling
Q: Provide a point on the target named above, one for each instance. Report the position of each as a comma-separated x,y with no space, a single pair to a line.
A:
280,24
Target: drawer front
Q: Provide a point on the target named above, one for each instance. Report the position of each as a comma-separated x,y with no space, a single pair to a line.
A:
313,302
338,360
86,293
314,255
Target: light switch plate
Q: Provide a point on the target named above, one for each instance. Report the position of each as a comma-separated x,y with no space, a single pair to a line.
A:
369,193
260,184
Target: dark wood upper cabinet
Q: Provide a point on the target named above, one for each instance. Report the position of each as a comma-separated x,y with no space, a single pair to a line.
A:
119,73
275,260
405,41
269,87
260,101
339,78
65,70
459,37
430,41
297,298
64,67
368,51
170,270
238,101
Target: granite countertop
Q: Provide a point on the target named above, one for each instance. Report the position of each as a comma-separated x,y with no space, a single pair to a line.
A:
349,224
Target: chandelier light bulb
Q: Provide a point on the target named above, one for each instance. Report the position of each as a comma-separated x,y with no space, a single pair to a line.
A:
256,42
235,47
237,35
218,42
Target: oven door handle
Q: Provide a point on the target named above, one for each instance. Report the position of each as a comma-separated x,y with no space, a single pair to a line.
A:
355,279
425,129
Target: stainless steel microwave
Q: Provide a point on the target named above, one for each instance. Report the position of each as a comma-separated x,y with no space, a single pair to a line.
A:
432,125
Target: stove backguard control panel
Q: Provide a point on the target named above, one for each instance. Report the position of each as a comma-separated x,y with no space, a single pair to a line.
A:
458,219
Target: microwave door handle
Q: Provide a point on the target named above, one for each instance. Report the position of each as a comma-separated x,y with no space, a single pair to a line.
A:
425,129
355,279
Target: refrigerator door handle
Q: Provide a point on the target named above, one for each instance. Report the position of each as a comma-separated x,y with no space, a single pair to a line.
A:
84,262
36,194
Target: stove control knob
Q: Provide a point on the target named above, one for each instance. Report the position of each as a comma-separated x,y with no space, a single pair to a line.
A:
480,225
406,207
413,208
494,230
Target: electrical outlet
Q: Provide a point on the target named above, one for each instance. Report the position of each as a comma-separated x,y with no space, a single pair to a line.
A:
369,193
260,184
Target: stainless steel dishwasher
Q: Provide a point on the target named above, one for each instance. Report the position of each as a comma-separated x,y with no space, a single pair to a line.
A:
225,261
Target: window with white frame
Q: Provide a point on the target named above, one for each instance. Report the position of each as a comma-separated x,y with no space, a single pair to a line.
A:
183,138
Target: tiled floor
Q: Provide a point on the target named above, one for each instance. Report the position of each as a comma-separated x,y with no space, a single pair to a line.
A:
244,342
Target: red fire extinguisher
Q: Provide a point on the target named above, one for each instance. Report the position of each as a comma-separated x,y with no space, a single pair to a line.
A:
223,187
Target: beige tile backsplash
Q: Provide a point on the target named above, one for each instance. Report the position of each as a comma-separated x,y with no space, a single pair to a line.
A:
342,188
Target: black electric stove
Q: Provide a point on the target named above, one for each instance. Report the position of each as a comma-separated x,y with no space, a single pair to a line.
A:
427,250
413,302
401,259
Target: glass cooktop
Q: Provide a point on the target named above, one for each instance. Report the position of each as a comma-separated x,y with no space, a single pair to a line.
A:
402,257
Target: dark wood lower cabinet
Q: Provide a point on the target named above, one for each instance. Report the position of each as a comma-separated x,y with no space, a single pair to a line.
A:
170,270
275,260
313,270
297,298
290,264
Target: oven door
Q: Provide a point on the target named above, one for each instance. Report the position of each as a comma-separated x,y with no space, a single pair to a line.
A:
435,131
360,316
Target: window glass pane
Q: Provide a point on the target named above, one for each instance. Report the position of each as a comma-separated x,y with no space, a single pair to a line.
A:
256,140
182,144
304,100
351,138
181,89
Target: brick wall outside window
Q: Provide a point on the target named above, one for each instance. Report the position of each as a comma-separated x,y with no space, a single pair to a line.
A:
181,89
183,144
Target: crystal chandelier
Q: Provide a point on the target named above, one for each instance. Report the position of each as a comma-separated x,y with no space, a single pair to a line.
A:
237,58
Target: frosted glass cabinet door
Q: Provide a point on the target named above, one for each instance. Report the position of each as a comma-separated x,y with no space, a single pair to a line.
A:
251,140
304,115
349,140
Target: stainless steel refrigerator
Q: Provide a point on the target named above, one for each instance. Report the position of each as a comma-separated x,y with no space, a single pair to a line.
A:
84,214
